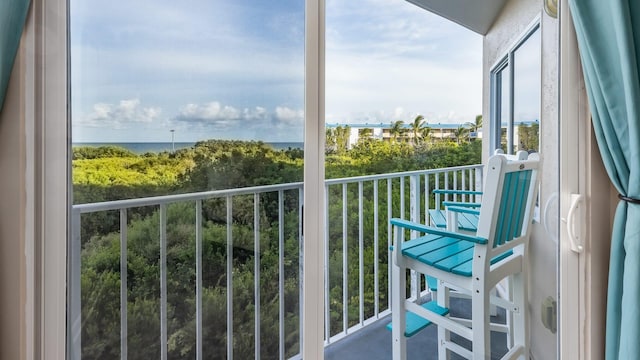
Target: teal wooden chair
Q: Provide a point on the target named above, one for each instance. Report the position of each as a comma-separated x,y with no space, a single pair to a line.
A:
471,263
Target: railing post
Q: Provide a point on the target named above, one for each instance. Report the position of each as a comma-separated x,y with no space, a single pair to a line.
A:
389,240
327,293
280,275
427,199
436,186
376,255
229,277
163,282
199,280
479,180
361,253
301,264
123,283
414,215
75,295
256,272
345,263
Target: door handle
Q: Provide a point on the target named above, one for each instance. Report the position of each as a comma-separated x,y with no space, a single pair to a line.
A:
574,238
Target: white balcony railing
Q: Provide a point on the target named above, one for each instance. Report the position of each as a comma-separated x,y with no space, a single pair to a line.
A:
386,195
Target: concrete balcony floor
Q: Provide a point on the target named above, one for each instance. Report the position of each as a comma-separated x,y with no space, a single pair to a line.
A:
374,341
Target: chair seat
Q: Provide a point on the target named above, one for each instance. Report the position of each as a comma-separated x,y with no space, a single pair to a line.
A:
445,253
415,323
466,222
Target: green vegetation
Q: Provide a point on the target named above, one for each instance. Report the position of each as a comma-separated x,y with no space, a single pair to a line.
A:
110,173
529,137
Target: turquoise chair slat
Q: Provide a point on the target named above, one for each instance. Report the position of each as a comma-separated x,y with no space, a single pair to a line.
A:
432,283
461,204
449,263
518,199
437,218
432,257
522,203
415,323
427,246
468,222
514,179
502,214
418,241
456,192
512,206
464,268
501,256
464,210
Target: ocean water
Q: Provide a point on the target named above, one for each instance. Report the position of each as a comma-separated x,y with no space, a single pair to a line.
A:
157,147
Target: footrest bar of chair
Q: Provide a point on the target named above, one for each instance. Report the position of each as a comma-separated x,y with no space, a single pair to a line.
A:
416,323
514,353
497,327
442,320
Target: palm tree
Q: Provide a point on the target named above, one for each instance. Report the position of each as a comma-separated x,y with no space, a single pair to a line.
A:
425,132
461,133
342,138
330,140
396,129
475,126
416,125
366,134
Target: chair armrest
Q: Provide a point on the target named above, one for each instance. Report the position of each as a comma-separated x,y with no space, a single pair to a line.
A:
429,230
461,204
457,192
463,210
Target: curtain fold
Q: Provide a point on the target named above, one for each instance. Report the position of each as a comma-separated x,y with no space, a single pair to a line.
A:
13,14
608,35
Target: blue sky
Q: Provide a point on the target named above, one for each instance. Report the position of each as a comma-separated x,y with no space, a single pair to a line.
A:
234,69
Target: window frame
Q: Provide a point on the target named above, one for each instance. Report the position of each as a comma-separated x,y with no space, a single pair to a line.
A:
46,119
42,60
505,63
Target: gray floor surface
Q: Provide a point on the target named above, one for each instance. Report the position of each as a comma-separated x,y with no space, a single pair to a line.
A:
374,342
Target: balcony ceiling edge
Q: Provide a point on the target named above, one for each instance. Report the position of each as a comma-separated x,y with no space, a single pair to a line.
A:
475,15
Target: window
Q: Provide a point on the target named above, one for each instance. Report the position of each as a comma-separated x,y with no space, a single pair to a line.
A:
210,94
515,96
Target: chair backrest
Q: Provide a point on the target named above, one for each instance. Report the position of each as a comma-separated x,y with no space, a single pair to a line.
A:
510,193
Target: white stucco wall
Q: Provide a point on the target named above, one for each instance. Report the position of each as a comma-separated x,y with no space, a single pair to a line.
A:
512,23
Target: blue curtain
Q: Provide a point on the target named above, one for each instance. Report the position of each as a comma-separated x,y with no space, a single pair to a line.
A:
12,17
609,41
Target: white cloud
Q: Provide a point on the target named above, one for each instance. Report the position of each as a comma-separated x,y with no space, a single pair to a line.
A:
290,117
211,112
216,115
119,116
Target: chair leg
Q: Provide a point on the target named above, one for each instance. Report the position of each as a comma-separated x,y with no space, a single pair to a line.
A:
443,333
398,317
509,313
521,316
480,322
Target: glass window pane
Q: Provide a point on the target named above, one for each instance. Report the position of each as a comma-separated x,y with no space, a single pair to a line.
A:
403,93
526,94
504,107
200,98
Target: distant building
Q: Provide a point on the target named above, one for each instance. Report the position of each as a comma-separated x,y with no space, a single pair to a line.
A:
382,131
